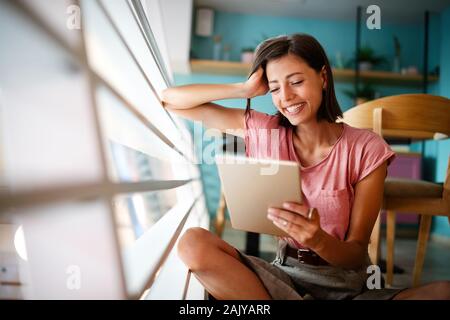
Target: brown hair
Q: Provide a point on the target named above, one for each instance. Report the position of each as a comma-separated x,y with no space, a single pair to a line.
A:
309,49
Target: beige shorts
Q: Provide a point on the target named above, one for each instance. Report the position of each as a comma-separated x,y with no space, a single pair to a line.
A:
287,279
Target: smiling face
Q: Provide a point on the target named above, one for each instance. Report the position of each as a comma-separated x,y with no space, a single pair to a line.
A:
296,88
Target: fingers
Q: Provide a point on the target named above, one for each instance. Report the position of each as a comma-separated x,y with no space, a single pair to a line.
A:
257,74
284,225
287,221
259,71
256,84
297,208
282,216
312,214
295,213
299,222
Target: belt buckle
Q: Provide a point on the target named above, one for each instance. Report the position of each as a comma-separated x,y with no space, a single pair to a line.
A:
300,256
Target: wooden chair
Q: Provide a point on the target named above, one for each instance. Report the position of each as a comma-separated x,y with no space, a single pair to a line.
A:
414,117
219,222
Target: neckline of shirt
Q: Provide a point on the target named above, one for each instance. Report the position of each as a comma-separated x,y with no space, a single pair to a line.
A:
291,146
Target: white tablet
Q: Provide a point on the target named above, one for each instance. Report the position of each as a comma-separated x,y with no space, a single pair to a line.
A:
251,186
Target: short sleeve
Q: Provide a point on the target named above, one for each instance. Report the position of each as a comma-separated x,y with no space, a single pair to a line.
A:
373,154
257,125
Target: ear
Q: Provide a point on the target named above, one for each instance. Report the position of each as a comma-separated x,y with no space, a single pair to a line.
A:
324,77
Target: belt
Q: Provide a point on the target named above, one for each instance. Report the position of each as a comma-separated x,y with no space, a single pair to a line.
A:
305,256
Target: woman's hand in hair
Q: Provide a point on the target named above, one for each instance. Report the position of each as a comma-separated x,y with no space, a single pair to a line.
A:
299,222
256,85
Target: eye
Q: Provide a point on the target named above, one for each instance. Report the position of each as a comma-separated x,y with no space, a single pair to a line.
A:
297,82
274,90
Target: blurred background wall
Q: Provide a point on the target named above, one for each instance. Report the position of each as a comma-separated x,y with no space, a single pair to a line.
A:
243,26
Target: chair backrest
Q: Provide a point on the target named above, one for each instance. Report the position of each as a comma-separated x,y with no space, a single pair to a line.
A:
414,116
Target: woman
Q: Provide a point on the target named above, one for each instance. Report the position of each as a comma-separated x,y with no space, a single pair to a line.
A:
343,171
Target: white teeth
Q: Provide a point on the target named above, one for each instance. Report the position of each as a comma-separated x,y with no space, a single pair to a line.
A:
294,109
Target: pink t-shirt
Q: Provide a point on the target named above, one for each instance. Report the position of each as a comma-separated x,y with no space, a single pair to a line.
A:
330,184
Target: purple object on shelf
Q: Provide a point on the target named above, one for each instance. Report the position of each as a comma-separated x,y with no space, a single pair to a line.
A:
405,165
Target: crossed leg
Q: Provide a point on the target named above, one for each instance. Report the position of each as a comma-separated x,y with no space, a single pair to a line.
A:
217,266
439,290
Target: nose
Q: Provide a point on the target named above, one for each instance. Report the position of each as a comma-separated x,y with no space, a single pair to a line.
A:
286,93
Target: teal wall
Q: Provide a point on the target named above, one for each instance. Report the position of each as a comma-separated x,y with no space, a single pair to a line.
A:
243,31
248,30
444,80
436,153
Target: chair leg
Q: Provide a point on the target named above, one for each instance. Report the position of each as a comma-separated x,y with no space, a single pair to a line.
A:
220,216
390,237
374,244
424,231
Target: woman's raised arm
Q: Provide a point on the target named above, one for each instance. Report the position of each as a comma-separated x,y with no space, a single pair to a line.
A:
194,101
193,95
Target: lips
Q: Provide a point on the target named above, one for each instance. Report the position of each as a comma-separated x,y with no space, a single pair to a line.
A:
295,108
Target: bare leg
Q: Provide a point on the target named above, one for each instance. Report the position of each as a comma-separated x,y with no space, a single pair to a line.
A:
439,290
218,267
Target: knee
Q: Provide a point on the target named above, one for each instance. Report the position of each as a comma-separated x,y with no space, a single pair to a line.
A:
442,290
193,248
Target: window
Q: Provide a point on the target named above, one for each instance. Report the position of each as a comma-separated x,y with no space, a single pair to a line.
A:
101,177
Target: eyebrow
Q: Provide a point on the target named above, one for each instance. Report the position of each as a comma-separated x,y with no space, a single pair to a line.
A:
287,77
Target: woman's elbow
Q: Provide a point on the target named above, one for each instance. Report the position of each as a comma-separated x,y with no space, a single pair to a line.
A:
172,99
165,96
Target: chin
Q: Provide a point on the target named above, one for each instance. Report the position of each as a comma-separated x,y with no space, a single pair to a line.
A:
293,120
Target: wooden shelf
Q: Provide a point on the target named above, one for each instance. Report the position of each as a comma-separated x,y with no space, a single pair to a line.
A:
220,67
340,75
382,77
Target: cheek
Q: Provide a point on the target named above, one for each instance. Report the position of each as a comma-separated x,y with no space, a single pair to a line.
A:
275,100
315,95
